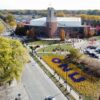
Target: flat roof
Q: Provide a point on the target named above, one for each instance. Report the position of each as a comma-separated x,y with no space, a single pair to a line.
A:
61,22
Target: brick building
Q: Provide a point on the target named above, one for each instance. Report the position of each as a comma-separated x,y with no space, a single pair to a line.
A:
51,25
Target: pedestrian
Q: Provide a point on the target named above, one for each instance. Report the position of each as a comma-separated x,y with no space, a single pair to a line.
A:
19,96
99,97
16,99
70,89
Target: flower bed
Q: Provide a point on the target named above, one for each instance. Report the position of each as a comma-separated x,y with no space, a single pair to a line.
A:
79,80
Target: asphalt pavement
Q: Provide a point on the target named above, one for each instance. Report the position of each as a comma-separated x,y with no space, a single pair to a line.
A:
38,85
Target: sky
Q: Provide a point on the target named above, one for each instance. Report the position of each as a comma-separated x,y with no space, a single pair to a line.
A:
44,4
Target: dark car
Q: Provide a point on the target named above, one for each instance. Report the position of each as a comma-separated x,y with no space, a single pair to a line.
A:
93,55
91,47
50,98
98,50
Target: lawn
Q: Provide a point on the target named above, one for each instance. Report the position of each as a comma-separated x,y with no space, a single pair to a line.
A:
48,54
58,46
42,42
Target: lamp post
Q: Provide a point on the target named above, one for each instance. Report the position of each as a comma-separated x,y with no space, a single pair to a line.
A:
66,80
80,97
99,97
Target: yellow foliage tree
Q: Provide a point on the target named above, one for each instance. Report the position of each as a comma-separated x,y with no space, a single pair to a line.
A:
62,34
90,17
12,23
1,28
60,14
13,57
10,19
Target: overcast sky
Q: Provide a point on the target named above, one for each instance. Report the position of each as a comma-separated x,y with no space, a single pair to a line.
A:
43,4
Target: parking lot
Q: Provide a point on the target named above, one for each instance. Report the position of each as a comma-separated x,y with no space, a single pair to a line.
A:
93,51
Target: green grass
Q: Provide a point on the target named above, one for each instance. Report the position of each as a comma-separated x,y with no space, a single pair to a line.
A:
42,42
51,47
47,54
96,37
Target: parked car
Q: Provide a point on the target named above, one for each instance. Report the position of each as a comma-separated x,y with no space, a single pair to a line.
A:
49,98
91,47
98,50
94,55
88,51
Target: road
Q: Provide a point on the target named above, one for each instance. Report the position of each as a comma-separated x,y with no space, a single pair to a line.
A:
38,85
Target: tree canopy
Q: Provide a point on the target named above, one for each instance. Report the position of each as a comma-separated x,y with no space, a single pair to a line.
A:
13,56
1,28
62,34
60,14
74,55
11,20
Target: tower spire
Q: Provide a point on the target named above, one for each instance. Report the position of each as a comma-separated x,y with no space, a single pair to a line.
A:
50,4
51,22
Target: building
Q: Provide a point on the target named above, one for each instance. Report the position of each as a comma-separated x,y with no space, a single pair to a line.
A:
51,25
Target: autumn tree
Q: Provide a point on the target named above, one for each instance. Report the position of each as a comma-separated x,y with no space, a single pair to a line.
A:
10,19
31,32
13,57
60,14
20,29
89,31
62,34
92,32
1,28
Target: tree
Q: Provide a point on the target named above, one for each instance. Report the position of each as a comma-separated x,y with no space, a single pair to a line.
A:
92,32
74,55
1,28
20,29
11,20
12,23
13,57
60,14
62,34
32,33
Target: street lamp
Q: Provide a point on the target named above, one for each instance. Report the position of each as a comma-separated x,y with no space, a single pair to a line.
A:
65,81
80,97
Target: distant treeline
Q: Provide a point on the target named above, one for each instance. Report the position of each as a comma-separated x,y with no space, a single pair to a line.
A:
44,12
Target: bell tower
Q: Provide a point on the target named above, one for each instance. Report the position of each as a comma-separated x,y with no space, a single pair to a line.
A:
51,22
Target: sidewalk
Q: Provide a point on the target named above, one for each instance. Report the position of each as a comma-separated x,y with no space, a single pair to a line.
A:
15,91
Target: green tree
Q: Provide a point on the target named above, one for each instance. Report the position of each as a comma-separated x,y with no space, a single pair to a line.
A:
74,55
10,18
13,57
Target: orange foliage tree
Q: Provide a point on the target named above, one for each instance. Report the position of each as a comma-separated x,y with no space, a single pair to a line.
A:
62,34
